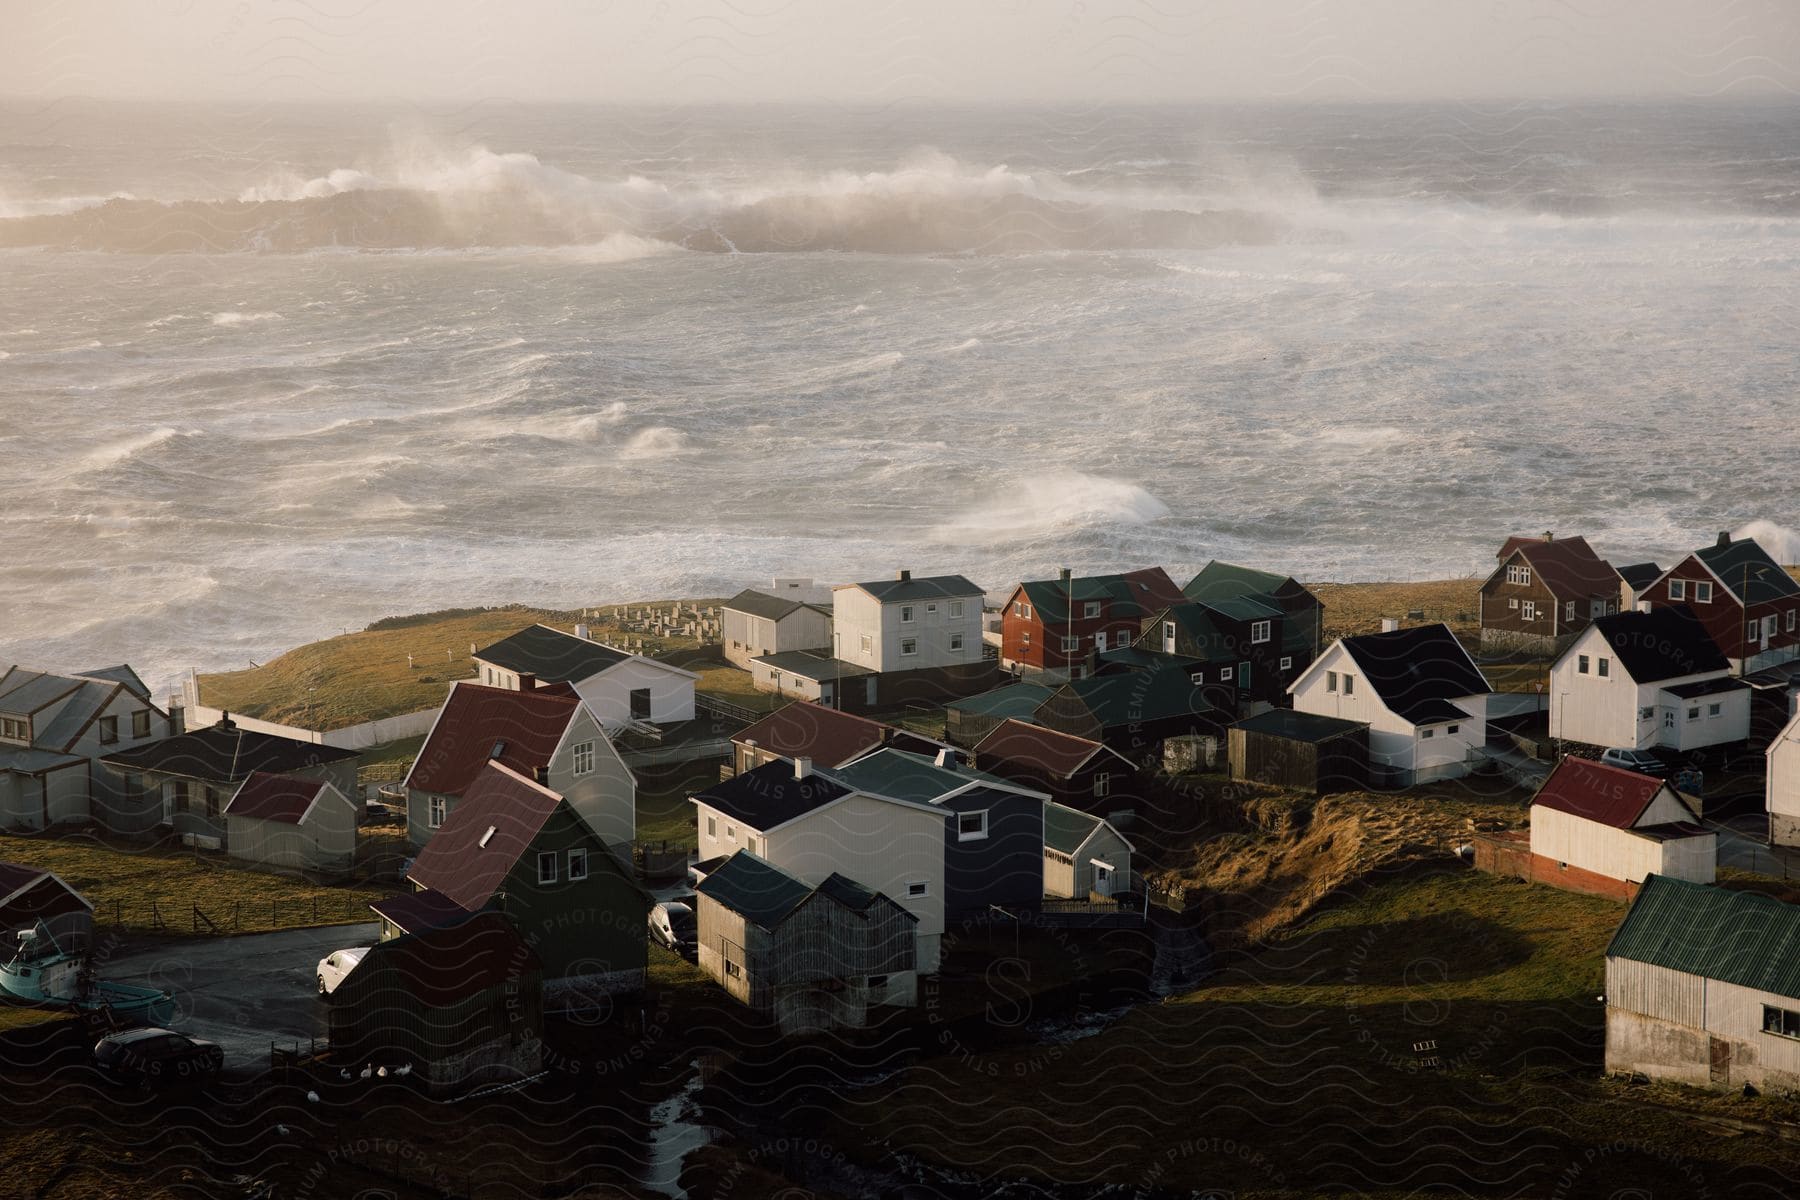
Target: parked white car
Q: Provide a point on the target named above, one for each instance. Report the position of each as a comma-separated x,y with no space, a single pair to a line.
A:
334,966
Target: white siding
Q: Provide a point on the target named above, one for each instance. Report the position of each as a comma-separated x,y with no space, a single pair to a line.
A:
1695,727
1619,853
1705,1032
606,796
1608,710
326,840
1783,785
857,614
1393,741
609,693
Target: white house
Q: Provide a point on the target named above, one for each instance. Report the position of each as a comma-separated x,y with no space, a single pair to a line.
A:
54,729
812,826
1619,825
1083,854
1421,695
907,624
1647,679
754,623
1782,785
618,687
292,822
1703,988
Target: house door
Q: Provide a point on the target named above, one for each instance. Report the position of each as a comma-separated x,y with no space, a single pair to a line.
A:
1669,735
1243,677
828,693
640,704
1103,878
869,691
1719,1062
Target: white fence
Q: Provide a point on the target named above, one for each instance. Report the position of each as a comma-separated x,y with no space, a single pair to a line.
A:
351,737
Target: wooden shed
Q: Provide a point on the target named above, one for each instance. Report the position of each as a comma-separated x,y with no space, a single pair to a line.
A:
463,1004
814,958
1303,751
31,894
292,822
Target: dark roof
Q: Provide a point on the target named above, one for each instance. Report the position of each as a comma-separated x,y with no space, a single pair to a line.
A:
1736,937
932,587
769,795
550,654
1059,754
1066,828
1567,566
1222,581
1640,575
1131,594
119,674
225,753
1670,831
1018,700
414,912
1707,687
526,726
1665,643
1596,792
267,797
1417,671
761,604
812,665
457,863
1299,726
16,878
758,890
1744,563
851,894
806,730
905,775
445,964
1135,698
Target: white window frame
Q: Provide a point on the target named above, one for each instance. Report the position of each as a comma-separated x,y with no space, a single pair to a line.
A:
1102,785
1528,610
868,643
1512,602
1071,644
1227,674
931,610
1349,685
546,859
1791,614
578,865
1603,667
1703,591
1287,663
436,809
965,835
1090,609
1714,710
582,758
1677,589
1331,681
1427,733
917,889
1519,573
906,614
956,608
1259,631
1582,662
1569,610
909,647
956,641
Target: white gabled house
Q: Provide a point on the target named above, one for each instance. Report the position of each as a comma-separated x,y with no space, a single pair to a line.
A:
1421,695
54,731
617,686
1589,819
1782,785
1644,680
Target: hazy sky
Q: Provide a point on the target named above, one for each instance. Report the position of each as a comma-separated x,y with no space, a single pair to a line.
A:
683,51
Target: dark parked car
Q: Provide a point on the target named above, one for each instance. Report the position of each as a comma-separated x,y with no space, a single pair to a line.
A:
153,1057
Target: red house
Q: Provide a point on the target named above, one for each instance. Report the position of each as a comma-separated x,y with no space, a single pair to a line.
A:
1748,603
1543,592
1057,624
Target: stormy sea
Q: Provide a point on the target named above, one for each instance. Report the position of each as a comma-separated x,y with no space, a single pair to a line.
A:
270,373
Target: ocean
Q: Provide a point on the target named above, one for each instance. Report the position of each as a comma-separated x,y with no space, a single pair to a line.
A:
268,374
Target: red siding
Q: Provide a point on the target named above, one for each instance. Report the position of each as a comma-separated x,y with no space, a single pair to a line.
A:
1724,616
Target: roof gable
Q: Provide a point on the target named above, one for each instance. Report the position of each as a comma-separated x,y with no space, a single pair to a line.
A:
770,795
1223,581
806,730
484,836
1061,754
551,655
773,608
268,797
444,964
905,775
755,888
525,727
1747,571
225,752
1736,937
1668,642
1567,567
1596,792
1417,672
932,587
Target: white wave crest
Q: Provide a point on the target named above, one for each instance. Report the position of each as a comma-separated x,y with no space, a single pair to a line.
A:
243,318
1781,541
113,453
658,441
1045,505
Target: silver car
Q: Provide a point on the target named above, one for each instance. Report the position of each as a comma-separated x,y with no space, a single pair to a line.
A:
334,966
1641,761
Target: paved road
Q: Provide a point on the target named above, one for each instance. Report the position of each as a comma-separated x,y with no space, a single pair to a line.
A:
242,992
1742,845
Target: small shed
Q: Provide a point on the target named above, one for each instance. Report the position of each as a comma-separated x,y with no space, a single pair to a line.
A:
292,822
463,1004
1303,751
31,894
1602,829
1083,855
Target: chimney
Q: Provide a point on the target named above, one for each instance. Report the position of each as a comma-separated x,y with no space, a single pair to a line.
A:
1549,535
1389,624
903,575
581,631
225,721
527,681
1724,537
540,775
802,767
947,757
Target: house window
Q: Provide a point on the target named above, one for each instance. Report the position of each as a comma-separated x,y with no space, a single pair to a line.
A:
875,981
1091,609
712,827
775,678
435,814
1581,664
1349,685
140,723
1569,610
731,833
1713,710
1259,631
1453,729
1749,636
1227,674
1783,1022
1518,574
931,610
1528,610
971,825
109,728
909,645
915,889
1703,592
15,729
956,641
1331,681
1790,619
956,608
1646,714
1025,610
1678,589
1287,663
1102,785
584,757
1512,602
868,644
180,795
213,802
1604,667
1694,713
1071,643
577,865
547,867
1612,606
1427,733
733,970
906,614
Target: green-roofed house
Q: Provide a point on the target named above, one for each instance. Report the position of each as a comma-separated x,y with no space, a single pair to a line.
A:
1244,650
969,720
1132,713
815,958
1749,604
1703,988
1084,856
1226,581
1058,625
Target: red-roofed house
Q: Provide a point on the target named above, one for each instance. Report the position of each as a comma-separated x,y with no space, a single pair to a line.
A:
1596,828
1544,591
828,737
546,733
517,847
1075,771
291,822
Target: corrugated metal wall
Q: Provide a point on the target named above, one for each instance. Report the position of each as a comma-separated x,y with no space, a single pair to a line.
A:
1656,992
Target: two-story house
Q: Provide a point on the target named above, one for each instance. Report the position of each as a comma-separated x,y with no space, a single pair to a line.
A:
545,729
1058,625
811,826
184,782
1543,592
1218,581
1748,603
519,848
920,637
54,731
1421,695
619,688
1648,680
1240,650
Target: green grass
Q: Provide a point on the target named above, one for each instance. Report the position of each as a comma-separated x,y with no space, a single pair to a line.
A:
663,811
736,686
135,884
389,761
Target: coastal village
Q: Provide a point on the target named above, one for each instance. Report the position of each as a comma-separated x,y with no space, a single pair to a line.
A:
849,824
